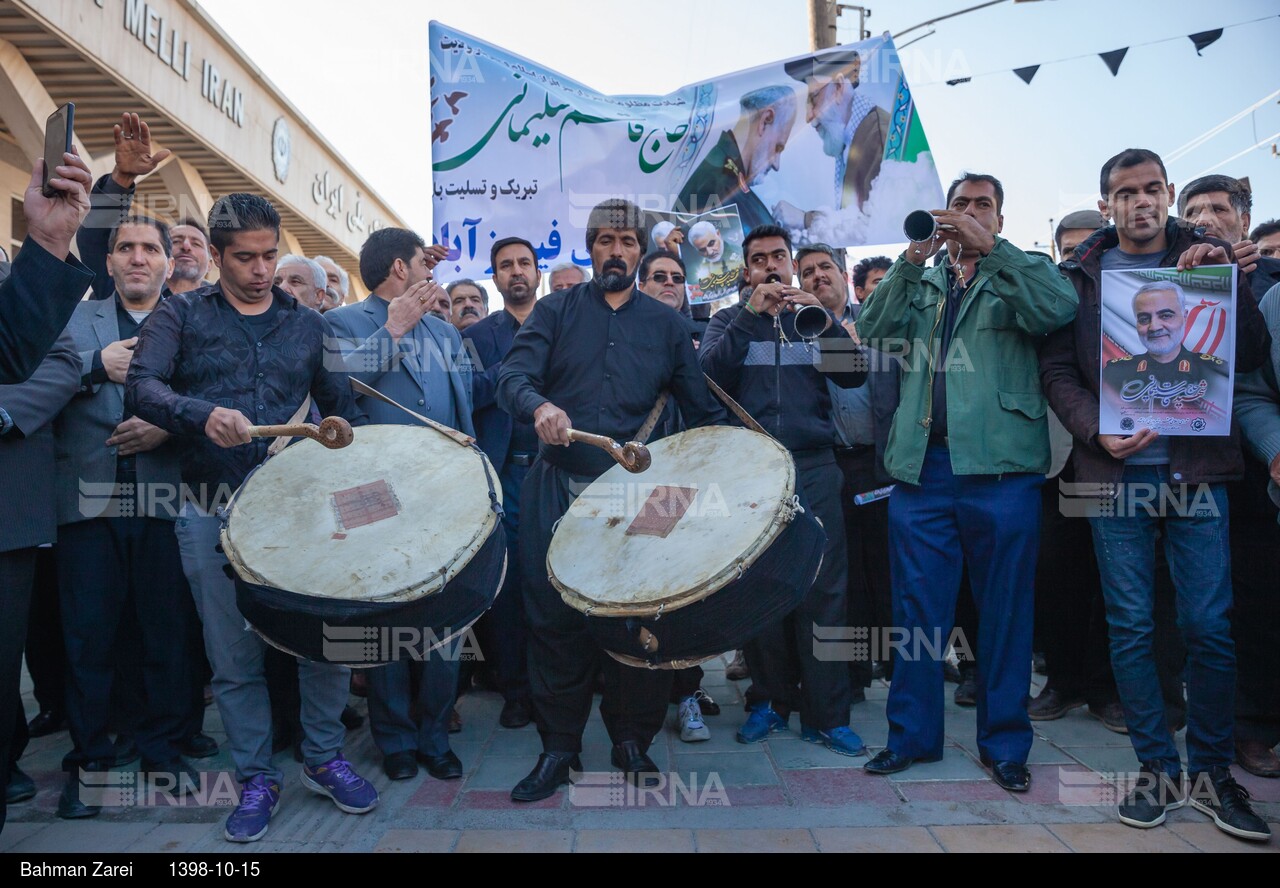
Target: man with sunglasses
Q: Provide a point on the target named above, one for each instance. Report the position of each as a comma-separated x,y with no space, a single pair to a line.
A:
662,276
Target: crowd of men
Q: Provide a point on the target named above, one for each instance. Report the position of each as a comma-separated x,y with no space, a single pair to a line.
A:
936,476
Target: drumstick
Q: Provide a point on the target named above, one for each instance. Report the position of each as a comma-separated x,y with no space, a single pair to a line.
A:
634,456
334,432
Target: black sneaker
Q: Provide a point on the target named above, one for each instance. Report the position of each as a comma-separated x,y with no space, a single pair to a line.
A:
1216,793
1151,797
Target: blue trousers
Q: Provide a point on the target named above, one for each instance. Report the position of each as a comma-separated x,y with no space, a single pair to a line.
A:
991,524
1195,525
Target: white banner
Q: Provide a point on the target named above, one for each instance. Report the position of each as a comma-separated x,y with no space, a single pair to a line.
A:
828,145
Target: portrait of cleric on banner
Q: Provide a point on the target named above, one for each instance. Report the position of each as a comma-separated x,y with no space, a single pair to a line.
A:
1168,342
828,145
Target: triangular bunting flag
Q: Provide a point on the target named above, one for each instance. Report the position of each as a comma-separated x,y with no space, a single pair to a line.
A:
1204,38
958,80
1113,59
1027,73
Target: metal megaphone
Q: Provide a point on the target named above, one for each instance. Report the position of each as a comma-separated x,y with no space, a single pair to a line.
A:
811,321
920,226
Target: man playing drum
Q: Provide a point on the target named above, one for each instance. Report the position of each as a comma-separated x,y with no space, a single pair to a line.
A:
206,362
757,353
599,354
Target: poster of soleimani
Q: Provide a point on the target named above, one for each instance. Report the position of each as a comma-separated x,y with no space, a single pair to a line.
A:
829,145
1168,349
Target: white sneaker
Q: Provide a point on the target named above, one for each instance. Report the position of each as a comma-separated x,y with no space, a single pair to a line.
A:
692,728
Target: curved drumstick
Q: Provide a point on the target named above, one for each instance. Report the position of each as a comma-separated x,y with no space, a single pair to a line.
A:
633,456
334,432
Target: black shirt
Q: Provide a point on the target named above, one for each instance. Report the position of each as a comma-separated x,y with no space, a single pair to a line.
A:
955,296
604,368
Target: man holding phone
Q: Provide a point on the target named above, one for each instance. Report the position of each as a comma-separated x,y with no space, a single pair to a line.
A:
46,281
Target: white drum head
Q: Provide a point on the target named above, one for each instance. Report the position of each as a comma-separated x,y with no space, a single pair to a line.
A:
391,518
713,500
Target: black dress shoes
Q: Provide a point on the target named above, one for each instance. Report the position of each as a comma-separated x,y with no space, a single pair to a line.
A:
890,762
1012,776
21,787
49,721
515,714
70,807
639,769
442,767
198,746
400,765
553,770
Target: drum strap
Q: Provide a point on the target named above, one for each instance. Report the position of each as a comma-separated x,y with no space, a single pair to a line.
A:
651,423
743,415
453,434
280,444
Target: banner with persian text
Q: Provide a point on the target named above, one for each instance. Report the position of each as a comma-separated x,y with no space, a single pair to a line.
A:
829,145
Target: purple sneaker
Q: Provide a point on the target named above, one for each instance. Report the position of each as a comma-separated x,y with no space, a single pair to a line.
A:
337,780
258,800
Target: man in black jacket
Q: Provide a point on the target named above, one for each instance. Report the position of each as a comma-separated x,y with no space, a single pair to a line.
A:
1136,194
209,365
599,354
27,411
755,353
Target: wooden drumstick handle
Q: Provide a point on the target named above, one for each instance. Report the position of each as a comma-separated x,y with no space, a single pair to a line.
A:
334,432
634,457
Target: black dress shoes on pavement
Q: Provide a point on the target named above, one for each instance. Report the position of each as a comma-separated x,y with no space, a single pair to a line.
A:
198,746
553,770
400,765
515,714
889,762
1012,776
639,769
21,787
49,721
70,806
442,767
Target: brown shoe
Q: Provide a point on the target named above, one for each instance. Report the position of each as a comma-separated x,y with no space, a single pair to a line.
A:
1257,758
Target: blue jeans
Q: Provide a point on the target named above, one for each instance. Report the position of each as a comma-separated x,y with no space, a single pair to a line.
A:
236,653
1196,532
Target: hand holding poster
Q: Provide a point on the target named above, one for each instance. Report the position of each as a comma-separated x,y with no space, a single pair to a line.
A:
1168,350
828,145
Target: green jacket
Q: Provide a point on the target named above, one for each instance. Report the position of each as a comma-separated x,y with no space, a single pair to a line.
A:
995,409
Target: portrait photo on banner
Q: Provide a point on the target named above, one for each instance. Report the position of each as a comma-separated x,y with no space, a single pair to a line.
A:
1168,351
829,145
710,246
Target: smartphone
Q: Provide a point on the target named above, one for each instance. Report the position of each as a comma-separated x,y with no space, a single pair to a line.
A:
58,135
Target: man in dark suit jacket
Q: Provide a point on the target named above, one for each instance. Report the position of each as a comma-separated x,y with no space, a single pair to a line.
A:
45,282
26,497
512,447
119,486
390,343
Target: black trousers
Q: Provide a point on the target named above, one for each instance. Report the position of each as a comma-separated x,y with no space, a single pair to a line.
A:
563,656
17,573
785,668
1071,617
501,632
46,655
107,568
867,541
1255,620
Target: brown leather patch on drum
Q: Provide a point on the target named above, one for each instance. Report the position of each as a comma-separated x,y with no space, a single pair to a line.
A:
365,505
662,511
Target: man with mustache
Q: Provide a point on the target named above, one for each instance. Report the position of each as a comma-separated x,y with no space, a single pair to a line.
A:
511,446
742,158
304,280
469,303
190,256
599,354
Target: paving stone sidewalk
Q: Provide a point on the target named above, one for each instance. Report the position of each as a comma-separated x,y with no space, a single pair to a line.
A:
779,795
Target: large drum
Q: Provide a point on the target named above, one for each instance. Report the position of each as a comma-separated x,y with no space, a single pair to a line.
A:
381,551
694,557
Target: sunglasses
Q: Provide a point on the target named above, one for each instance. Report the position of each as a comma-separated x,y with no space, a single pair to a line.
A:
662,277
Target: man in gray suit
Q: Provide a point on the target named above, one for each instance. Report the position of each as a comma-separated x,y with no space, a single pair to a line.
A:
390,343
118,494
26,499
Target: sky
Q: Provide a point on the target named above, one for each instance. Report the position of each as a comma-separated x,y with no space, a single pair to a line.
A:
359,73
